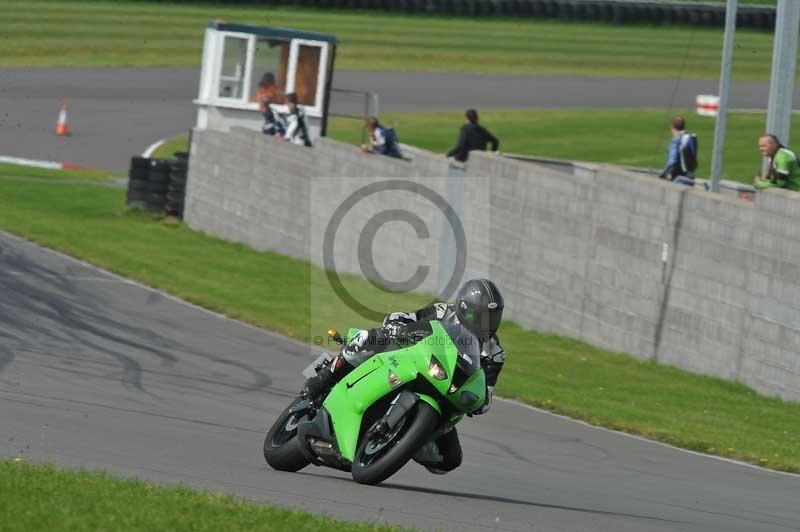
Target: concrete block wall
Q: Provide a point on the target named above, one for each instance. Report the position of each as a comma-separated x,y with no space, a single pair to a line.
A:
272,195
771,347
707,300
582,251
733,309
629,263
704,282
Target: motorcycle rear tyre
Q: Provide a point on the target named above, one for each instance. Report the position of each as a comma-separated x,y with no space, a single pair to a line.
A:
287,456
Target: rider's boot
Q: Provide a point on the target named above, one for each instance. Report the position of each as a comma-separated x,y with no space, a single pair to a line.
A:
443,455
323,381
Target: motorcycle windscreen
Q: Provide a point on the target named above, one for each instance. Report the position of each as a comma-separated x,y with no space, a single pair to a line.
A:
469,350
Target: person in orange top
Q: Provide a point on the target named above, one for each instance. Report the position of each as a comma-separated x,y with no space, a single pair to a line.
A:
267,90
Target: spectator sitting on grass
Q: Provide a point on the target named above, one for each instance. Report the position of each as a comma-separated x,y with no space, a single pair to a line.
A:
382,141
296,126
681,155
473,136
783,170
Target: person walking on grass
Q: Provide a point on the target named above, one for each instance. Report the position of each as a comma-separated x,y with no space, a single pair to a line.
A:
681,155
473,136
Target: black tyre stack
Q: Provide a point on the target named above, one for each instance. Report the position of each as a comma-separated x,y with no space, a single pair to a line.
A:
157,184
176,191
137,182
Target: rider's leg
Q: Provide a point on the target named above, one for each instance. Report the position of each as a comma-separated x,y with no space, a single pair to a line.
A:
358,350
450,449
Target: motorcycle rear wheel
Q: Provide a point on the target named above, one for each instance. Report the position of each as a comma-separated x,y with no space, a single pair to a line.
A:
281,446
380,456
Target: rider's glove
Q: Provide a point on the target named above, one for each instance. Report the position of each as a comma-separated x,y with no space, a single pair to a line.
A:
395,329
401,317
488,404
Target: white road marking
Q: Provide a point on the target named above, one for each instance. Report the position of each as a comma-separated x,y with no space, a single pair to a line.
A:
153,147
67,277
50,165
646,440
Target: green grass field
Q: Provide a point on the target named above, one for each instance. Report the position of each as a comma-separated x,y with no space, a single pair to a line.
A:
559,374
627,137
37,498
125,33
171,146
632,137
15,170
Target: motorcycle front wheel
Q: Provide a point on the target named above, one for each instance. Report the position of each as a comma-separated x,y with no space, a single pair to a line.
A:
380,455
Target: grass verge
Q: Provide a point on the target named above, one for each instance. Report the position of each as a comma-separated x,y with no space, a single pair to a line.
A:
17,170
42,498
88,33
170,146
556,373
631,137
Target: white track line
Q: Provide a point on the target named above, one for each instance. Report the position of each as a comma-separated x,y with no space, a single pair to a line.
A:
298,342
153,147
65,277
654,442
50,165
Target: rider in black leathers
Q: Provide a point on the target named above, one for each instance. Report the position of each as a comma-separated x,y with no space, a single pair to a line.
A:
478,307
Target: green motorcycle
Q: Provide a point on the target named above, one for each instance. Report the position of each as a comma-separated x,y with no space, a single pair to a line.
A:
382,413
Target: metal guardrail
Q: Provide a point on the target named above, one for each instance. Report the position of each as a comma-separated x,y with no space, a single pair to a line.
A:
339,108
354,104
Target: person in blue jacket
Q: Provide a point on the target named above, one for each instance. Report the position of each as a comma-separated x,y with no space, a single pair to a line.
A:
382,141
681,155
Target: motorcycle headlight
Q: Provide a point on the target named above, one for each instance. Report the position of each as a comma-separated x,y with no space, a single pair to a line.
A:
436,370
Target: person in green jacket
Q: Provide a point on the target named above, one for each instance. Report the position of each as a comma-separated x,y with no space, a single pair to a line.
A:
783,170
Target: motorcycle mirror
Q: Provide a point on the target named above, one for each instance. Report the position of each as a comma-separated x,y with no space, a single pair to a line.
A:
334,335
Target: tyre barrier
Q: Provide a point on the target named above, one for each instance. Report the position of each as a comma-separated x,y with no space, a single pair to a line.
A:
616,11
176,190
157,185
137,182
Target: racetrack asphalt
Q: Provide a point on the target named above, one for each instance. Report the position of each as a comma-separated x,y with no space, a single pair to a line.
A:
115,113
102,373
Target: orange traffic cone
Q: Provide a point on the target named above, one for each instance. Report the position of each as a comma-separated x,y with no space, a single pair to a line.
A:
61,127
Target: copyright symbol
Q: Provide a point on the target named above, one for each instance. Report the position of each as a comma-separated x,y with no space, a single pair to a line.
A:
319,340
366,239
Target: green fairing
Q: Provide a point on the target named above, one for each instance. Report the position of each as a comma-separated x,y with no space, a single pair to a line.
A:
369,382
